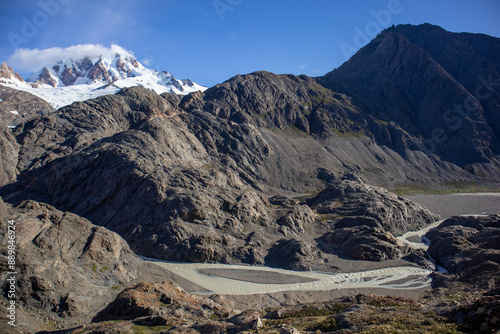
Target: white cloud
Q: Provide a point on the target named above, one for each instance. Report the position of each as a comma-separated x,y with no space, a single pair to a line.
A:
30,60
147,61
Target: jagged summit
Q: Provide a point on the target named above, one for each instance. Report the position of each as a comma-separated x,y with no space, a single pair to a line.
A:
84,76
120,71
7,75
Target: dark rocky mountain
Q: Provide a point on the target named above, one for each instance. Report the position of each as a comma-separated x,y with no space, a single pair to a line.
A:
440,87
17,106
149,170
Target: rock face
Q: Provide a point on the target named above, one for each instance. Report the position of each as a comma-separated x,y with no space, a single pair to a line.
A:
8,156
8,74
17,106
162,303
379,207
469,247
186,185
370,217
67,266
131,163
450,108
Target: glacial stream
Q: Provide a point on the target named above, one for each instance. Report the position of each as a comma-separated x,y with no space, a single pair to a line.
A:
245,280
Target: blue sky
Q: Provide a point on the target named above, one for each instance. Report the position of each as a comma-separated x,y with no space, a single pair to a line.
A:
210,41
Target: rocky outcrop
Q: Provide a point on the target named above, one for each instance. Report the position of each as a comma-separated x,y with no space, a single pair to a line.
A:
7,74
8,156
351,197
249,319
17,106
364,241
367,220
296,254
160,304
67,267
468,247
297,218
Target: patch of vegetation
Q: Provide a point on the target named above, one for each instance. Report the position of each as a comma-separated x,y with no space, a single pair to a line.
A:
381,122
469,187
103,268
407,321
298,132
323,218
340,134
149,330
94,268
117,287
311,318
307,195
210,166
327,325
311,311
377,303
456,297
49,325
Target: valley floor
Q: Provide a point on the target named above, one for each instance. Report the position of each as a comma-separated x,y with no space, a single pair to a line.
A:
448,205
394,277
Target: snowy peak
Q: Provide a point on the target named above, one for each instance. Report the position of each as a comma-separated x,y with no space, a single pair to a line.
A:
8,76
105,71
82,72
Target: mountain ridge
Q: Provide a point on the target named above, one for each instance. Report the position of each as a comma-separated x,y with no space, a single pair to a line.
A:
398,80
69,80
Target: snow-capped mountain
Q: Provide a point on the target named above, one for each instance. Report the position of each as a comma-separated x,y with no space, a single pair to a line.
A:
71,80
